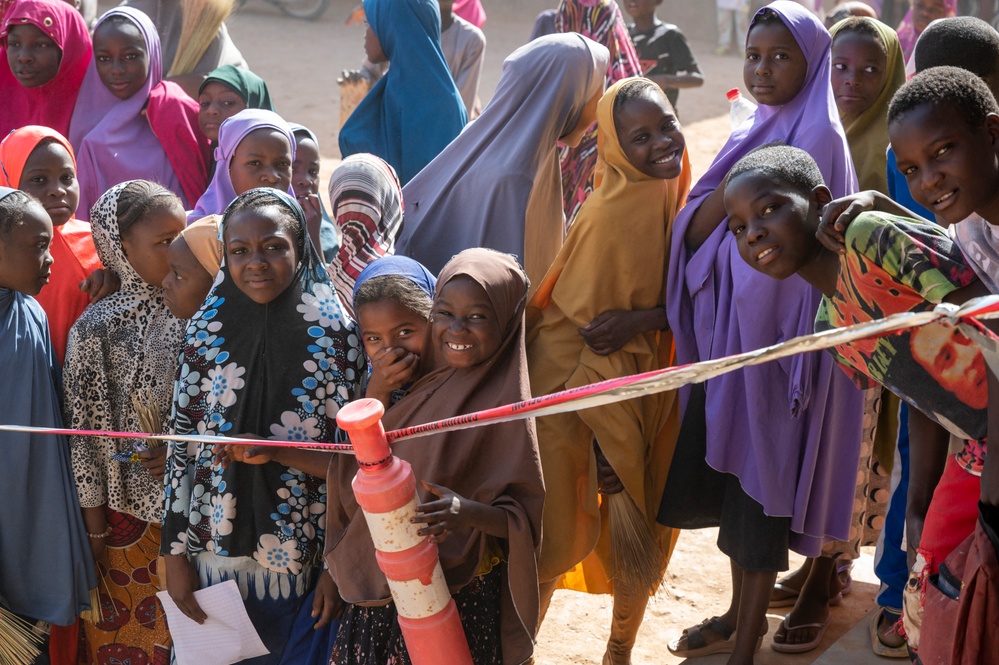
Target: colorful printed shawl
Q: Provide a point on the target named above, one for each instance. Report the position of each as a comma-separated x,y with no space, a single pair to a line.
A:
220,192
45,573
717,306
601,21
498,184
72,248
49,105
282,370
415,110
152,135
367,206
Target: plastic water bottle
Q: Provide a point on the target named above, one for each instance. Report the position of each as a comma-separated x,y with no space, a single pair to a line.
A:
741,109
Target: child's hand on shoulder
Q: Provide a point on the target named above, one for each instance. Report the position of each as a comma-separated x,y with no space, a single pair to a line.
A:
100,284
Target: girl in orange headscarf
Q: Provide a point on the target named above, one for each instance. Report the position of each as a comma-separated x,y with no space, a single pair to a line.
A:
40,161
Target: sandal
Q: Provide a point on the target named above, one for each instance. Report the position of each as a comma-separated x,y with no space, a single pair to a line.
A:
801,647
879,647
694,644
789,601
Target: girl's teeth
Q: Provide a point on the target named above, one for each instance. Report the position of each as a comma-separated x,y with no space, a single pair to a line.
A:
458,347
761,255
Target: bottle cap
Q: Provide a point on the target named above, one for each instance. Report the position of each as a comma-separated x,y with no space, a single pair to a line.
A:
733,94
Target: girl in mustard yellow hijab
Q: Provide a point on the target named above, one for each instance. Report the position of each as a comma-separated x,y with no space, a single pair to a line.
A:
598,314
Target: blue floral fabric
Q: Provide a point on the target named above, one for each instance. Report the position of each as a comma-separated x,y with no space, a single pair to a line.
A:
279,370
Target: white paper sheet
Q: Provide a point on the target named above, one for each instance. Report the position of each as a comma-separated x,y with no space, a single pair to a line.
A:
226,637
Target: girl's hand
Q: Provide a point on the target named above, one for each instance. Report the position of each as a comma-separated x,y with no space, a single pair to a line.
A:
392,368
95,521
225,453
100,284
154,460
611,330
313,217
182,582
442,516
837,215
327,604
608,481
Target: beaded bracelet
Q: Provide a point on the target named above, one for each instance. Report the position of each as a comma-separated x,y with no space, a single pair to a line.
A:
99,535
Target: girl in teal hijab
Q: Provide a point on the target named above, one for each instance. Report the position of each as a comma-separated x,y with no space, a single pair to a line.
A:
415,110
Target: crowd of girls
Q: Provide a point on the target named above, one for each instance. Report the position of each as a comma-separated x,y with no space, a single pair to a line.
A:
167,266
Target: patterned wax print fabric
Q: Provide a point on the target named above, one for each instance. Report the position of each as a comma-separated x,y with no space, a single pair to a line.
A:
893,264
278,370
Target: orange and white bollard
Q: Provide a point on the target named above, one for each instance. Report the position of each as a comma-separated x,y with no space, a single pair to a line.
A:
385,489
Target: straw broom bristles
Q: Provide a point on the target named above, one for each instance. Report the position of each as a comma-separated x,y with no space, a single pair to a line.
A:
636,553
202,20
20,640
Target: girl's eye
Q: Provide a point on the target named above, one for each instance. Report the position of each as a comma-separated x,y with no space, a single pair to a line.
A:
177,275
908,171
253,162
477,317
38,180
840,66
769,209
780,56
237,251
871,69
69,178
314,173
372,338
641,138
943,150
739,228
284,165
228,104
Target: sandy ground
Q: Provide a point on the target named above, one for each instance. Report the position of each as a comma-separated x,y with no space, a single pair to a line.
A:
301,62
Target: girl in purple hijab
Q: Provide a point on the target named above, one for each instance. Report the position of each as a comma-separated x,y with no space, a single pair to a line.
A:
129,123
256,149
769,454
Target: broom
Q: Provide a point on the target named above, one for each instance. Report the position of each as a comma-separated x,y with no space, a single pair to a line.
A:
636,553
20,640
150,422
202,20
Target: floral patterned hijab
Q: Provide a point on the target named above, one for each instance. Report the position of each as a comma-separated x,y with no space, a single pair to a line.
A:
280,370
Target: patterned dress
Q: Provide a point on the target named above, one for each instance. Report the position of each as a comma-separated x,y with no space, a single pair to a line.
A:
124,345
280,370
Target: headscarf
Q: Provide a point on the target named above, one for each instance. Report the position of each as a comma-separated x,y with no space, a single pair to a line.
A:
281,370
152,135
867,133
571,295
251,88
498,184
496,465
367,206
123,346
403,266
220,192
717,306
601,21
907,34
415,110
471,11
330,243
49,105
73,253
46,570
202,238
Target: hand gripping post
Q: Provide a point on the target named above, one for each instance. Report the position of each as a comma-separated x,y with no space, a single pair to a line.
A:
385,489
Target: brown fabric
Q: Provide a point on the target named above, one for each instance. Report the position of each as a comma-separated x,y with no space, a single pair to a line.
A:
202,238
497,465
604,266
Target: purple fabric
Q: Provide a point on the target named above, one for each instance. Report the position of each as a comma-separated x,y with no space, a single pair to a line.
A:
790,430
220,192
112,138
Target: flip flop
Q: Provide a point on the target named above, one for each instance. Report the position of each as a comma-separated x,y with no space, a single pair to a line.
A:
802,647
784,602
879,647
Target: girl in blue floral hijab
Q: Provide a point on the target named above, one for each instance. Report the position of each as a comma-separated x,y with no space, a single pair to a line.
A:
271,354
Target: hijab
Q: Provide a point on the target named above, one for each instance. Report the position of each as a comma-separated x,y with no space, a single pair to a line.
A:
498,184
49,105
122,346
46,571
496,465
415,110
330,243
202,238
907,34
281,369
220,192
601,21
367,205
403,266
718,306
471,11
152,135
633,435
73,253
867,133
251,88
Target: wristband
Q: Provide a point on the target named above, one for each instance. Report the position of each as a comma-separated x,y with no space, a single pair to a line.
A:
99,535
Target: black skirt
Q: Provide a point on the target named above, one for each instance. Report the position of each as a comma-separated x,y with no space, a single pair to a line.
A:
697,496
371,635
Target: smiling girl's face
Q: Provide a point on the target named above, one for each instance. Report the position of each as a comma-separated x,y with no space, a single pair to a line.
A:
465,327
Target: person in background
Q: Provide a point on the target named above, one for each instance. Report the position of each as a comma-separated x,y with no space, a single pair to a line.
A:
921,13
464,46
662,50
729,13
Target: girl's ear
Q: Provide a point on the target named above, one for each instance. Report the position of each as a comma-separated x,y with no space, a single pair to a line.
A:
992,127
821,196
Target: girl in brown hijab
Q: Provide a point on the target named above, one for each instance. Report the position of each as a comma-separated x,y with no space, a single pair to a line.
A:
475,359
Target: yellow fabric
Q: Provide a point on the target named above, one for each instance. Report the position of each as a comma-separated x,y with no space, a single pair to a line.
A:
615,257
867,133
